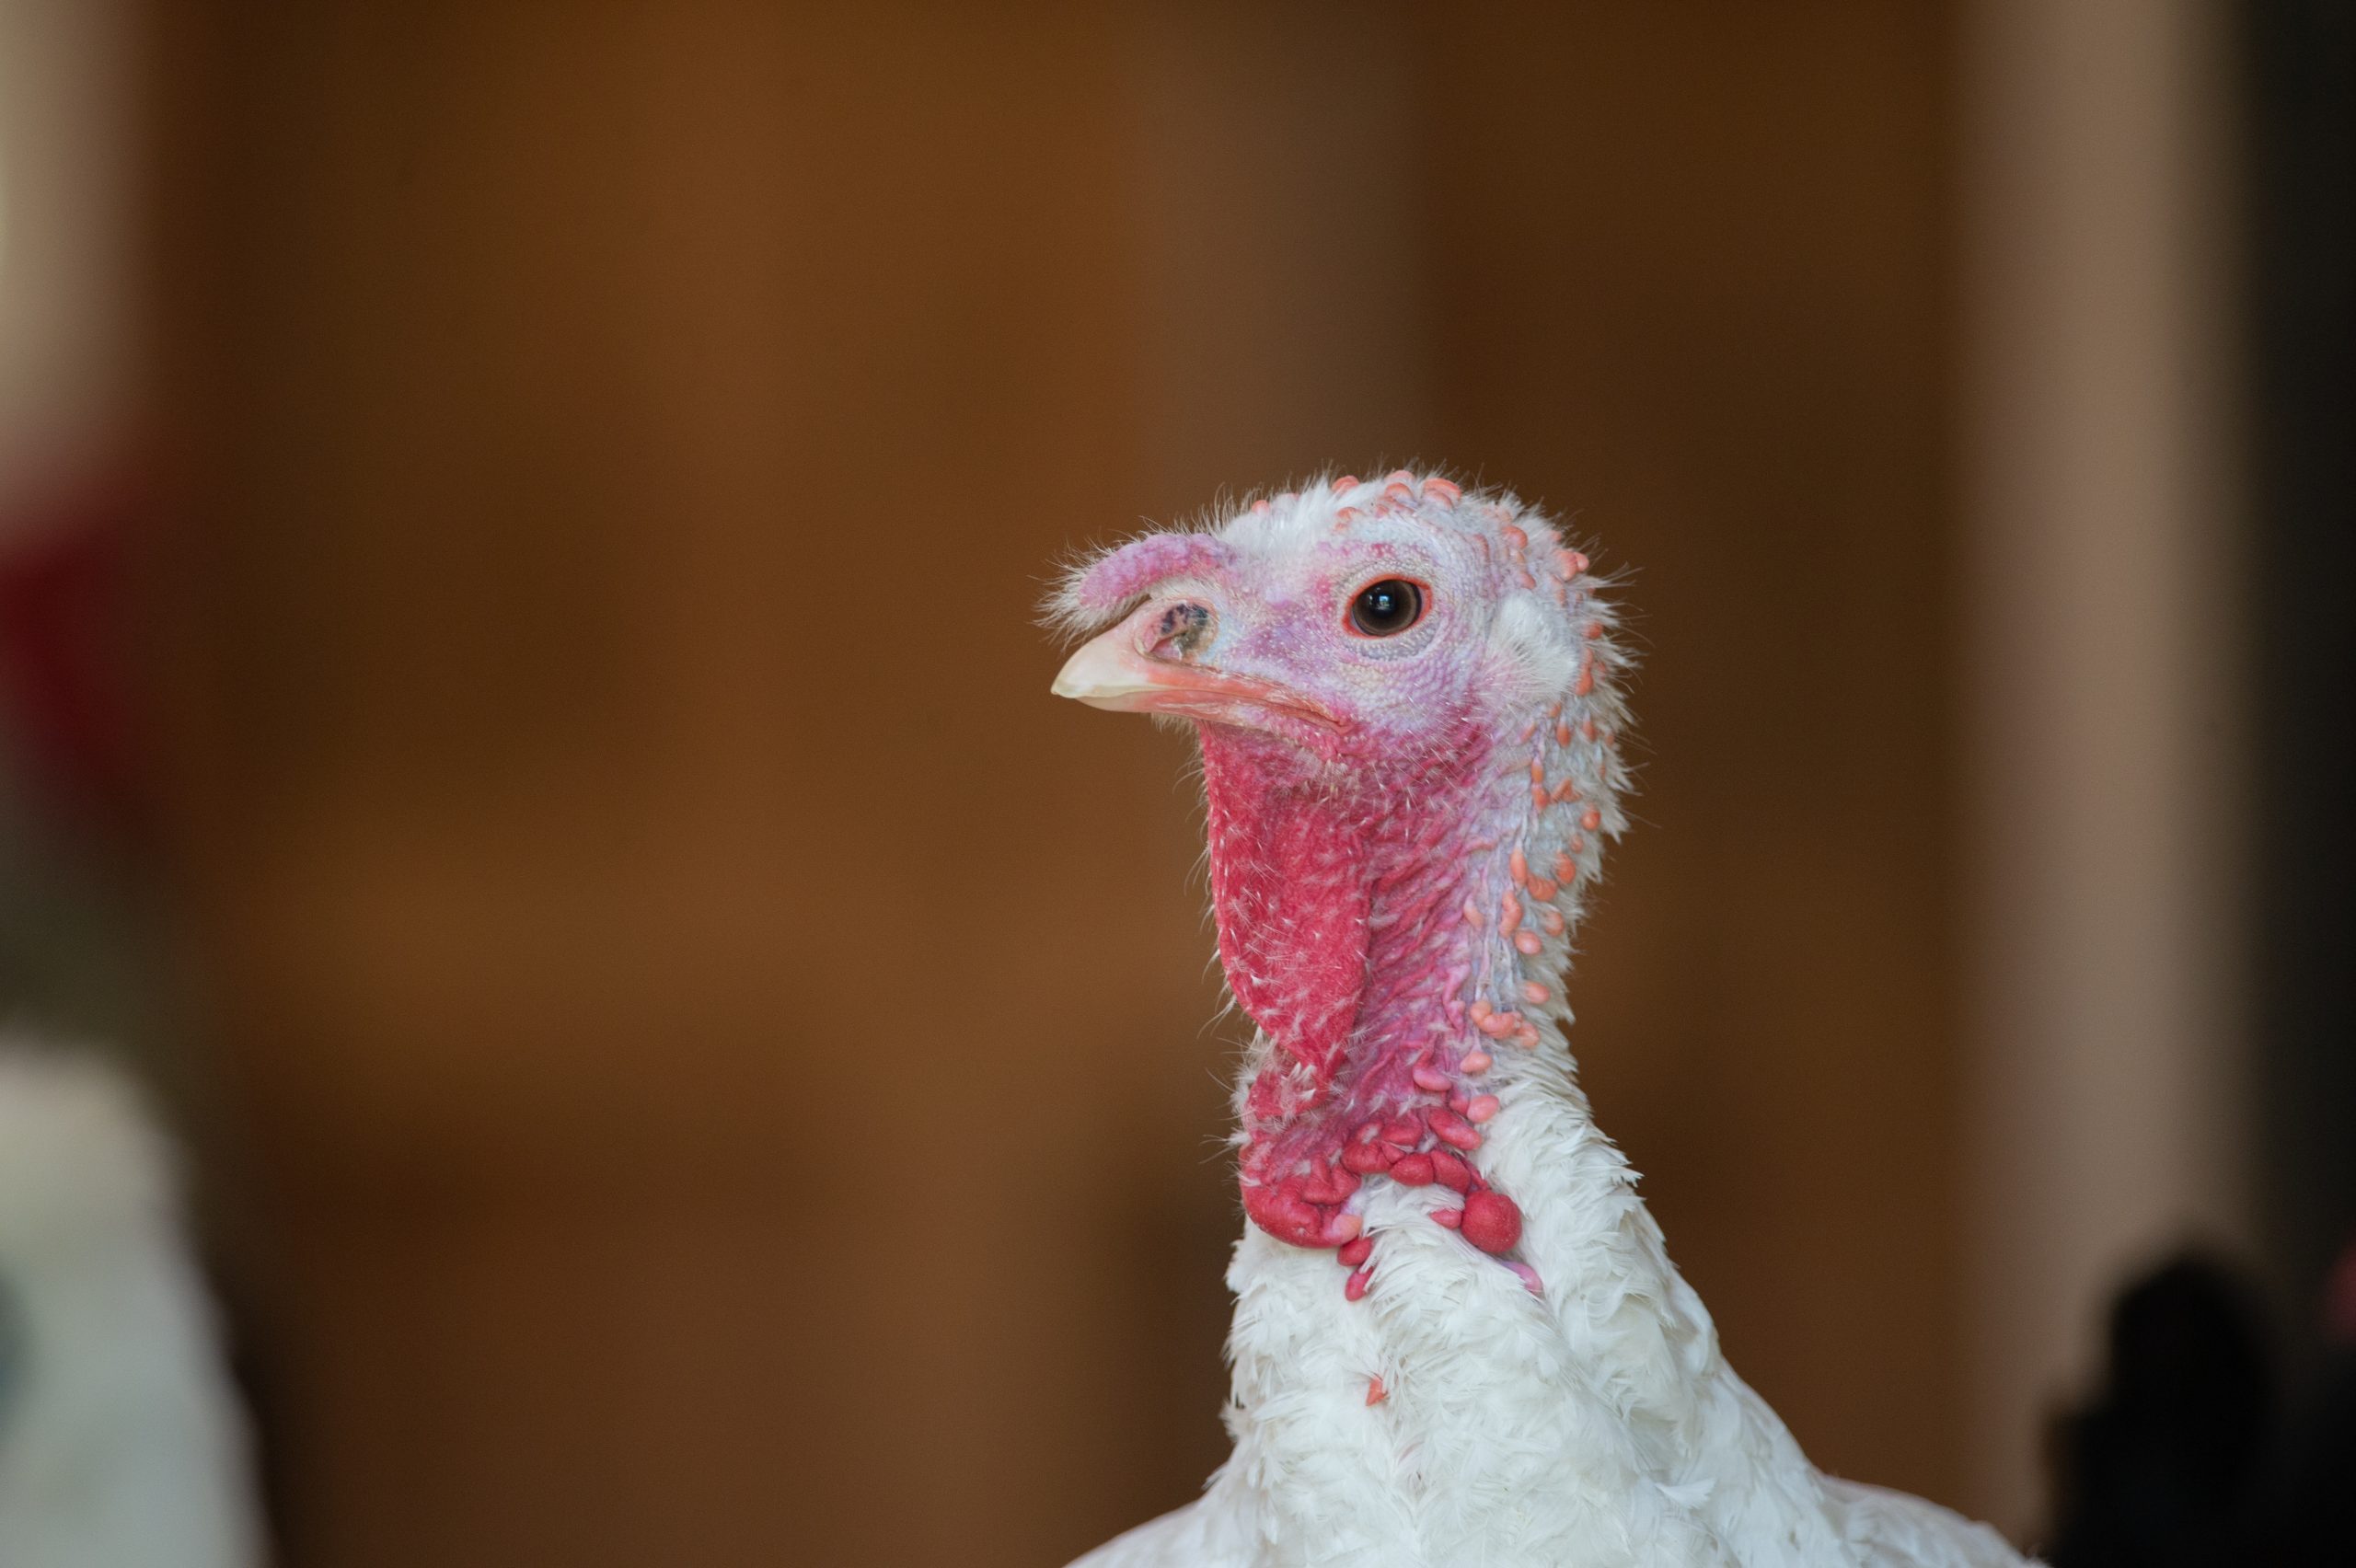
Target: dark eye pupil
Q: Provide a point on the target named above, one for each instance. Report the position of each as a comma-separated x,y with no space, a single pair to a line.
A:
1387,609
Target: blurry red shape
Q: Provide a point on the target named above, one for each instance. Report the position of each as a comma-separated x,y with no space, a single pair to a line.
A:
65,662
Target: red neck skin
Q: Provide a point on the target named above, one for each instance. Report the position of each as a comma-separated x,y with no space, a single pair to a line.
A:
1340,895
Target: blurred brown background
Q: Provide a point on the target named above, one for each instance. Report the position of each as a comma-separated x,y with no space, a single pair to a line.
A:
725,1054
707,1062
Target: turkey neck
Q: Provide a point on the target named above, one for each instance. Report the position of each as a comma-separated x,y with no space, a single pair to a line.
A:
1510,1367
1476,1391
1368,912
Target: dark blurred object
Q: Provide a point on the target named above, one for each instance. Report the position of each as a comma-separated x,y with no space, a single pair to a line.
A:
2312,1510
2161,1471
2299,151
64,692
76,937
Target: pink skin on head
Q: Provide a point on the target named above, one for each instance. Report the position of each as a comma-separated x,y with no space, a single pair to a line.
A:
1369,800
1138,565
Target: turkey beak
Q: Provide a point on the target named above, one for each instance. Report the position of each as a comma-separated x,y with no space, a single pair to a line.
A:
1144,665
1150,664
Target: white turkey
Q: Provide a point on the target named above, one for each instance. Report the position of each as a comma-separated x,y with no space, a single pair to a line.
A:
1457,1342
120,1444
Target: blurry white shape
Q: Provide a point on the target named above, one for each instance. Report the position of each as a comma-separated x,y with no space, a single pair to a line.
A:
121,1445
66,320
2105,1108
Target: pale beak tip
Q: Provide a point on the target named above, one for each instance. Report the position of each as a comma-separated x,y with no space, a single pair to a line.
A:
1100,674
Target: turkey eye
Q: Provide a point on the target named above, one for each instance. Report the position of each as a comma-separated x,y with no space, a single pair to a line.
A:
1387,609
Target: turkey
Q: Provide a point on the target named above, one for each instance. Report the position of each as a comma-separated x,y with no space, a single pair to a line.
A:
121,1443
1458,1339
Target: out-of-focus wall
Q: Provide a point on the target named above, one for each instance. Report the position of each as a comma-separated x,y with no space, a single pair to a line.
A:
2108,572
722,1055
67,143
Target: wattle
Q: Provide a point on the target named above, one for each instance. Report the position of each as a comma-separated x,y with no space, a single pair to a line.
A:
1341,932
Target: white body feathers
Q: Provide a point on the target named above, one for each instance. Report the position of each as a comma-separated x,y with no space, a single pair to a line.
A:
1597,1426
120,1446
